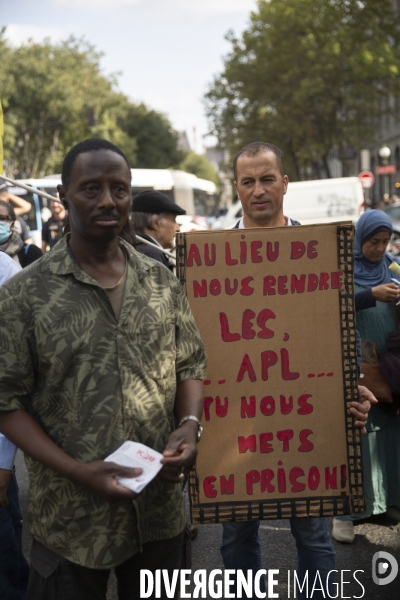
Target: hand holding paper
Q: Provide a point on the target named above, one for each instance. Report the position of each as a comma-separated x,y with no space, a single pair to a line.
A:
135,455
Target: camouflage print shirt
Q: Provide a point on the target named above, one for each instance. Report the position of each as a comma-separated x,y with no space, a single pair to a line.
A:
93,382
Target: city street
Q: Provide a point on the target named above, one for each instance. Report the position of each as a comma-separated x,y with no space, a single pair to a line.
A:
200,242
279,551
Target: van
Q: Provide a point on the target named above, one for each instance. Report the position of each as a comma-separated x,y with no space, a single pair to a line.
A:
310,202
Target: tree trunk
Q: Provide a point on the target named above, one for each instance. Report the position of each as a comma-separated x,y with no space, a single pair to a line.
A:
39,145
50,153
326,165
27,164
316,168
296,166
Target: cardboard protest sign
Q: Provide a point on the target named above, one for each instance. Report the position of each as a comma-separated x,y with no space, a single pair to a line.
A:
275,309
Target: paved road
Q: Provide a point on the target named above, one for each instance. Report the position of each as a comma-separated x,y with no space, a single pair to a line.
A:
279,551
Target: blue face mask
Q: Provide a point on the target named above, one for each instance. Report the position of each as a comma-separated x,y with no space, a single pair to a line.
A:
5,231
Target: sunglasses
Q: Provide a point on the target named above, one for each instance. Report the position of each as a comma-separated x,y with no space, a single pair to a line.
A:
4,218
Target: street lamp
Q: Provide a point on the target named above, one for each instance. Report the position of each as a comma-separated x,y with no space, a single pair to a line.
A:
384,152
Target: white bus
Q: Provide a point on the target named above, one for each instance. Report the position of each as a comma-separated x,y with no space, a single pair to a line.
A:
197,196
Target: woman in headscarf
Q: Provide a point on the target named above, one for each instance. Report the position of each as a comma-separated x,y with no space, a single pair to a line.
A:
11,242
375,297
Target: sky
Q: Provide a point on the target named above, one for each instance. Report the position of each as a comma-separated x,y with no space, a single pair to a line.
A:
166,51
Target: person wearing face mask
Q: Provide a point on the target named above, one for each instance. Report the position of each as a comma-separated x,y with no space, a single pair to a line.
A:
11,242
20,206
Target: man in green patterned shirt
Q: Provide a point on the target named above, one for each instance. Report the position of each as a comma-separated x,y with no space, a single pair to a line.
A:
98,346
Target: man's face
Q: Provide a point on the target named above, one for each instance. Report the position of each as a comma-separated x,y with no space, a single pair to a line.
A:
98,195
57,209
166,229
261,187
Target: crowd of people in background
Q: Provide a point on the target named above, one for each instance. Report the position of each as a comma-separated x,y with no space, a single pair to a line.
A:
388,200
15,237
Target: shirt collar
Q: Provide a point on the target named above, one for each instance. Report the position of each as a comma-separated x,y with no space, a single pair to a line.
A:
287,219
62,262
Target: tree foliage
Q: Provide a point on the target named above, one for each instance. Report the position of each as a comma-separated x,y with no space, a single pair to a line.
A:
157,142
199,165
55,95
307,76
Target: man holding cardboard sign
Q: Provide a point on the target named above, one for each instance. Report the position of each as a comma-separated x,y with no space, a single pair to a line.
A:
261,185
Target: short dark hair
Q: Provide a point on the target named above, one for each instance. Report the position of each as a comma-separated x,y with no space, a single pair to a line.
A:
255,148
11,211
89,145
